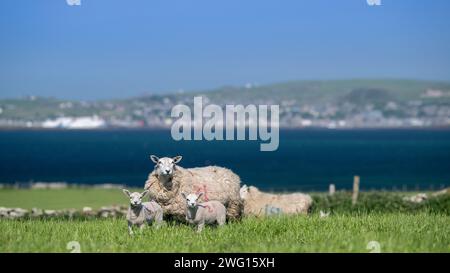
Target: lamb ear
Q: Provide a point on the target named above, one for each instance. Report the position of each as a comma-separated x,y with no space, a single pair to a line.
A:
177,159
127,192
144,193
200,195
184,195
154,158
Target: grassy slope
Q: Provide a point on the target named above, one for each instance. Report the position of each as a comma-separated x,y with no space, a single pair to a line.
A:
420,231
326,90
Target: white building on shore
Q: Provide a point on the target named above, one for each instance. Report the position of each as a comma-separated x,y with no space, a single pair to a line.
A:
75,123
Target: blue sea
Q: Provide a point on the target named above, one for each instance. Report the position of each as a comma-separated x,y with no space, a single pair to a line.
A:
306,159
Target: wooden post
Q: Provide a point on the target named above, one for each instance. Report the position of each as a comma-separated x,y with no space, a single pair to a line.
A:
332,189
355,189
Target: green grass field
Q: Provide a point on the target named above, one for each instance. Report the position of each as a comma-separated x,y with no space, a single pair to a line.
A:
62,198
418,231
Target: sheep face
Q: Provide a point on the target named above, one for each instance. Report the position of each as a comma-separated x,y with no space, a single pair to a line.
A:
243,192
135,197
165,166
191,199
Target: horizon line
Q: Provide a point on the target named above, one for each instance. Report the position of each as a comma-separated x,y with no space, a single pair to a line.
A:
254,85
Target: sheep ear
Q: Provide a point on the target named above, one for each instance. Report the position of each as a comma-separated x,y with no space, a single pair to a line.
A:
177,159
184,195
127,192
154,158
144,193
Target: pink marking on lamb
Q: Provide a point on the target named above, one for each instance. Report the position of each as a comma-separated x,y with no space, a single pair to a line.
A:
208,207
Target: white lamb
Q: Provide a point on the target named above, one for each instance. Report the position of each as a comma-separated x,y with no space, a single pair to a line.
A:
141,213
203,213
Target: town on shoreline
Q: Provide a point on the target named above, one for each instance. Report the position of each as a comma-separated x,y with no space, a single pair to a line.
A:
341,104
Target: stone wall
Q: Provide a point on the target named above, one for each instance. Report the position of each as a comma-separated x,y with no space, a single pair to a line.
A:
86,212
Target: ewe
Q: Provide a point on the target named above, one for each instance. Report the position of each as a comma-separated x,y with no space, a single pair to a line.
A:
256,202
203,213
168,180
140,213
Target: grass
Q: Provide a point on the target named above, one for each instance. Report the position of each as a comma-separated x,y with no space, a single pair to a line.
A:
423,228
379,202
76,198
396,232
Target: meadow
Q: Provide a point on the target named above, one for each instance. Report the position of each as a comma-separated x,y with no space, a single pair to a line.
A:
379,220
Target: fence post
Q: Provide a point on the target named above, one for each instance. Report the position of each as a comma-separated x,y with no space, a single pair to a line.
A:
332,189
355,189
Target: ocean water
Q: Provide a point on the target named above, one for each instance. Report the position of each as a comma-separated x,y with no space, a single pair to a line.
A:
306,159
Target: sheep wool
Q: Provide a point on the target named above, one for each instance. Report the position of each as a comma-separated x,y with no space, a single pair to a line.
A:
216,183
256,202
206,213
147,212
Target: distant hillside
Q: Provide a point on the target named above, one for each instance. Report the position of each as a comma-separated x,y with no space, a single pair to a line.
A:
356,102
327,91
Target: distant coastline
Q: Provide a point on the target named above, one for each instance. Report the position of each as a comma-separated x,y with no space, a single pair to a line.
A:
330,104
167,129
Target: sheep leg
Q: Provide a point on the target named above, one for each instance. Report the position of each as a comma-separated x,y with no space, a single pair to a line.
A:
141,227
130,229
159,219
157,224
200,226
221,220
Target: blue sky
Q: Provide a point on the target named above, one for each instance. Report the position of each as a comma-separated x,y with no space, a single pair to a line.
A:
118,48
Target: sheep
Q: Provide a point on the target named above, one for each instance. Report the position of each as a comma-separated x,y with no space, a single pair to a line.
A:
168,180
417,198
140,212
203,213
256,202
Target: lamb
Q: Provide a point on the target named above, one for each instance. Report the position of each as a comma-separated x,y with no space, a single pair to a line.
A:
140,213
256,202
203,213
168,180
